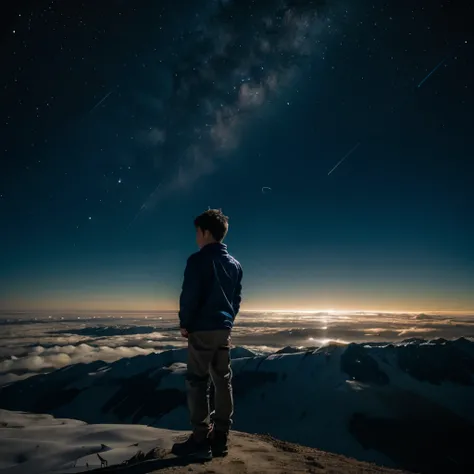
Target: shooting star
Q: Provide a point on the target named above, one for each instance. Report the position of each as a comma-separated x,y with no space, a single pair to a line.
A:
148,204
101,101
432,72
345,156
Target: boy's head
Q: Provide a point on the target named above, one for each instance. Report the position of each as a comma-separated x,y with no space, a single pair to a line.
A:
211,226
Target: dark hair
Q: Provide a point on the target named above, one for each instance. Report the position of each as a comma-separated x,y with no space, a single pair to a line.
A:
215,222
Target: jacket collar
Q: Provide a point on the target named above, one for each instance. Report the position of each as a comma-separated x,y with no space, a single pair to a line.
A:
215,247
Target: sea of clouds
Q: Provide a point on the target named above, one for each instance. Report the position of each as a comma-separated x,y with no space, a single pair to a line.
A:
34,343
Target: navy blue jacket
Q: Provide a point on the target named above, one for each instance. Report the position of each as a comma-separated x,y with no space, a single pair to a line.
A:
211,294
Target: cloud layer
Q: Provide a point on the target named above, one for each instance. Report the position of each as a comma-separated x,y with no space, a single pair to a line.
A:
50,343
41,358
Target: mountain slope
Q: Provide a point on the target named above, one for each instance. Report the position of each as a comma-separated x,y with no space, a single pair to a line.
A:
38,444
390,404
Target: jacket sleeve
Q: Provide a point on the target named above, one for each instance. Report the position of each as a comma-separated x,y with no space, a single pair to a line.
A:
237,293
190,293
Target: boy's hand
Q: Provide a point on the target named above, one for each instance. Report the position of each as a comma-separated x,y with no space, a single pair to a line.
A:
184,332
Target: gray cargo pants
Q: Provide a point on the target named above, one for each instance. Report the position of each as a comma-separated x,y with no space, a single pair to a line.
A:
209,354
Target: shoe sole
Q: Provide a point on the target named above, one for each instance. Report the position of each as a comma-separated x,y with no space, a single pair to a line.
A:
203,457
219,451
220,455
195,456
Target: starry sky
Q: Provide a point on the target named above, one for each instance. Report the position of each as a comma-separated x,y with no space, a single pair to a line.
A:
120,123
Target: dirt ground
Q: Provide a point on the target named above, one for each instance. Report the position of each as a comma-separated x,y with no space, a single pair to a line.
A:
257,455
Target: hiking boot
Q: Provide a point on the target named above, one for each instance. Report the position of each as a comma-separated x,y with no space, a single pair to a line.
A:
200,450
219,444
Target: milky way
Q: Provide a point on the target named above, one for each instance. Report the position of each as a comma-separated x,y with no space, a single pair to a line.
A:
233,63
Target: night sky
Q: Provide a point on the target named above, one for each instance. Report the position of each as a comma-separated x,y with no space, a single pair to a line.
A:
120,123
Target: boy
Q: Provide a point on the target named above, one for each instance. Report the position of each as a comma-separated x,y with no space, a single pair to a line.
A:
209,301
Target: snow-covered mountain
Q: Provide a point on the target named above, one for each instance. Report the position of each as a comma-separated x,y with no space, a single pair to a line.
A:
41,444
33,444
393,404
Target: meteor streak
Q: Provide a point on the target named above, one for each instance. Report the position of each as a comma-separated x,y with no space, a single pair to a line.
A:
101,101
432,72
345,156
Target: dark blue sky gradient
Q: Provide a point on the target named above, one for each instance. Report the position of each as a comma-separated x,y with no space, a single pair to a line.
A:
391,228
